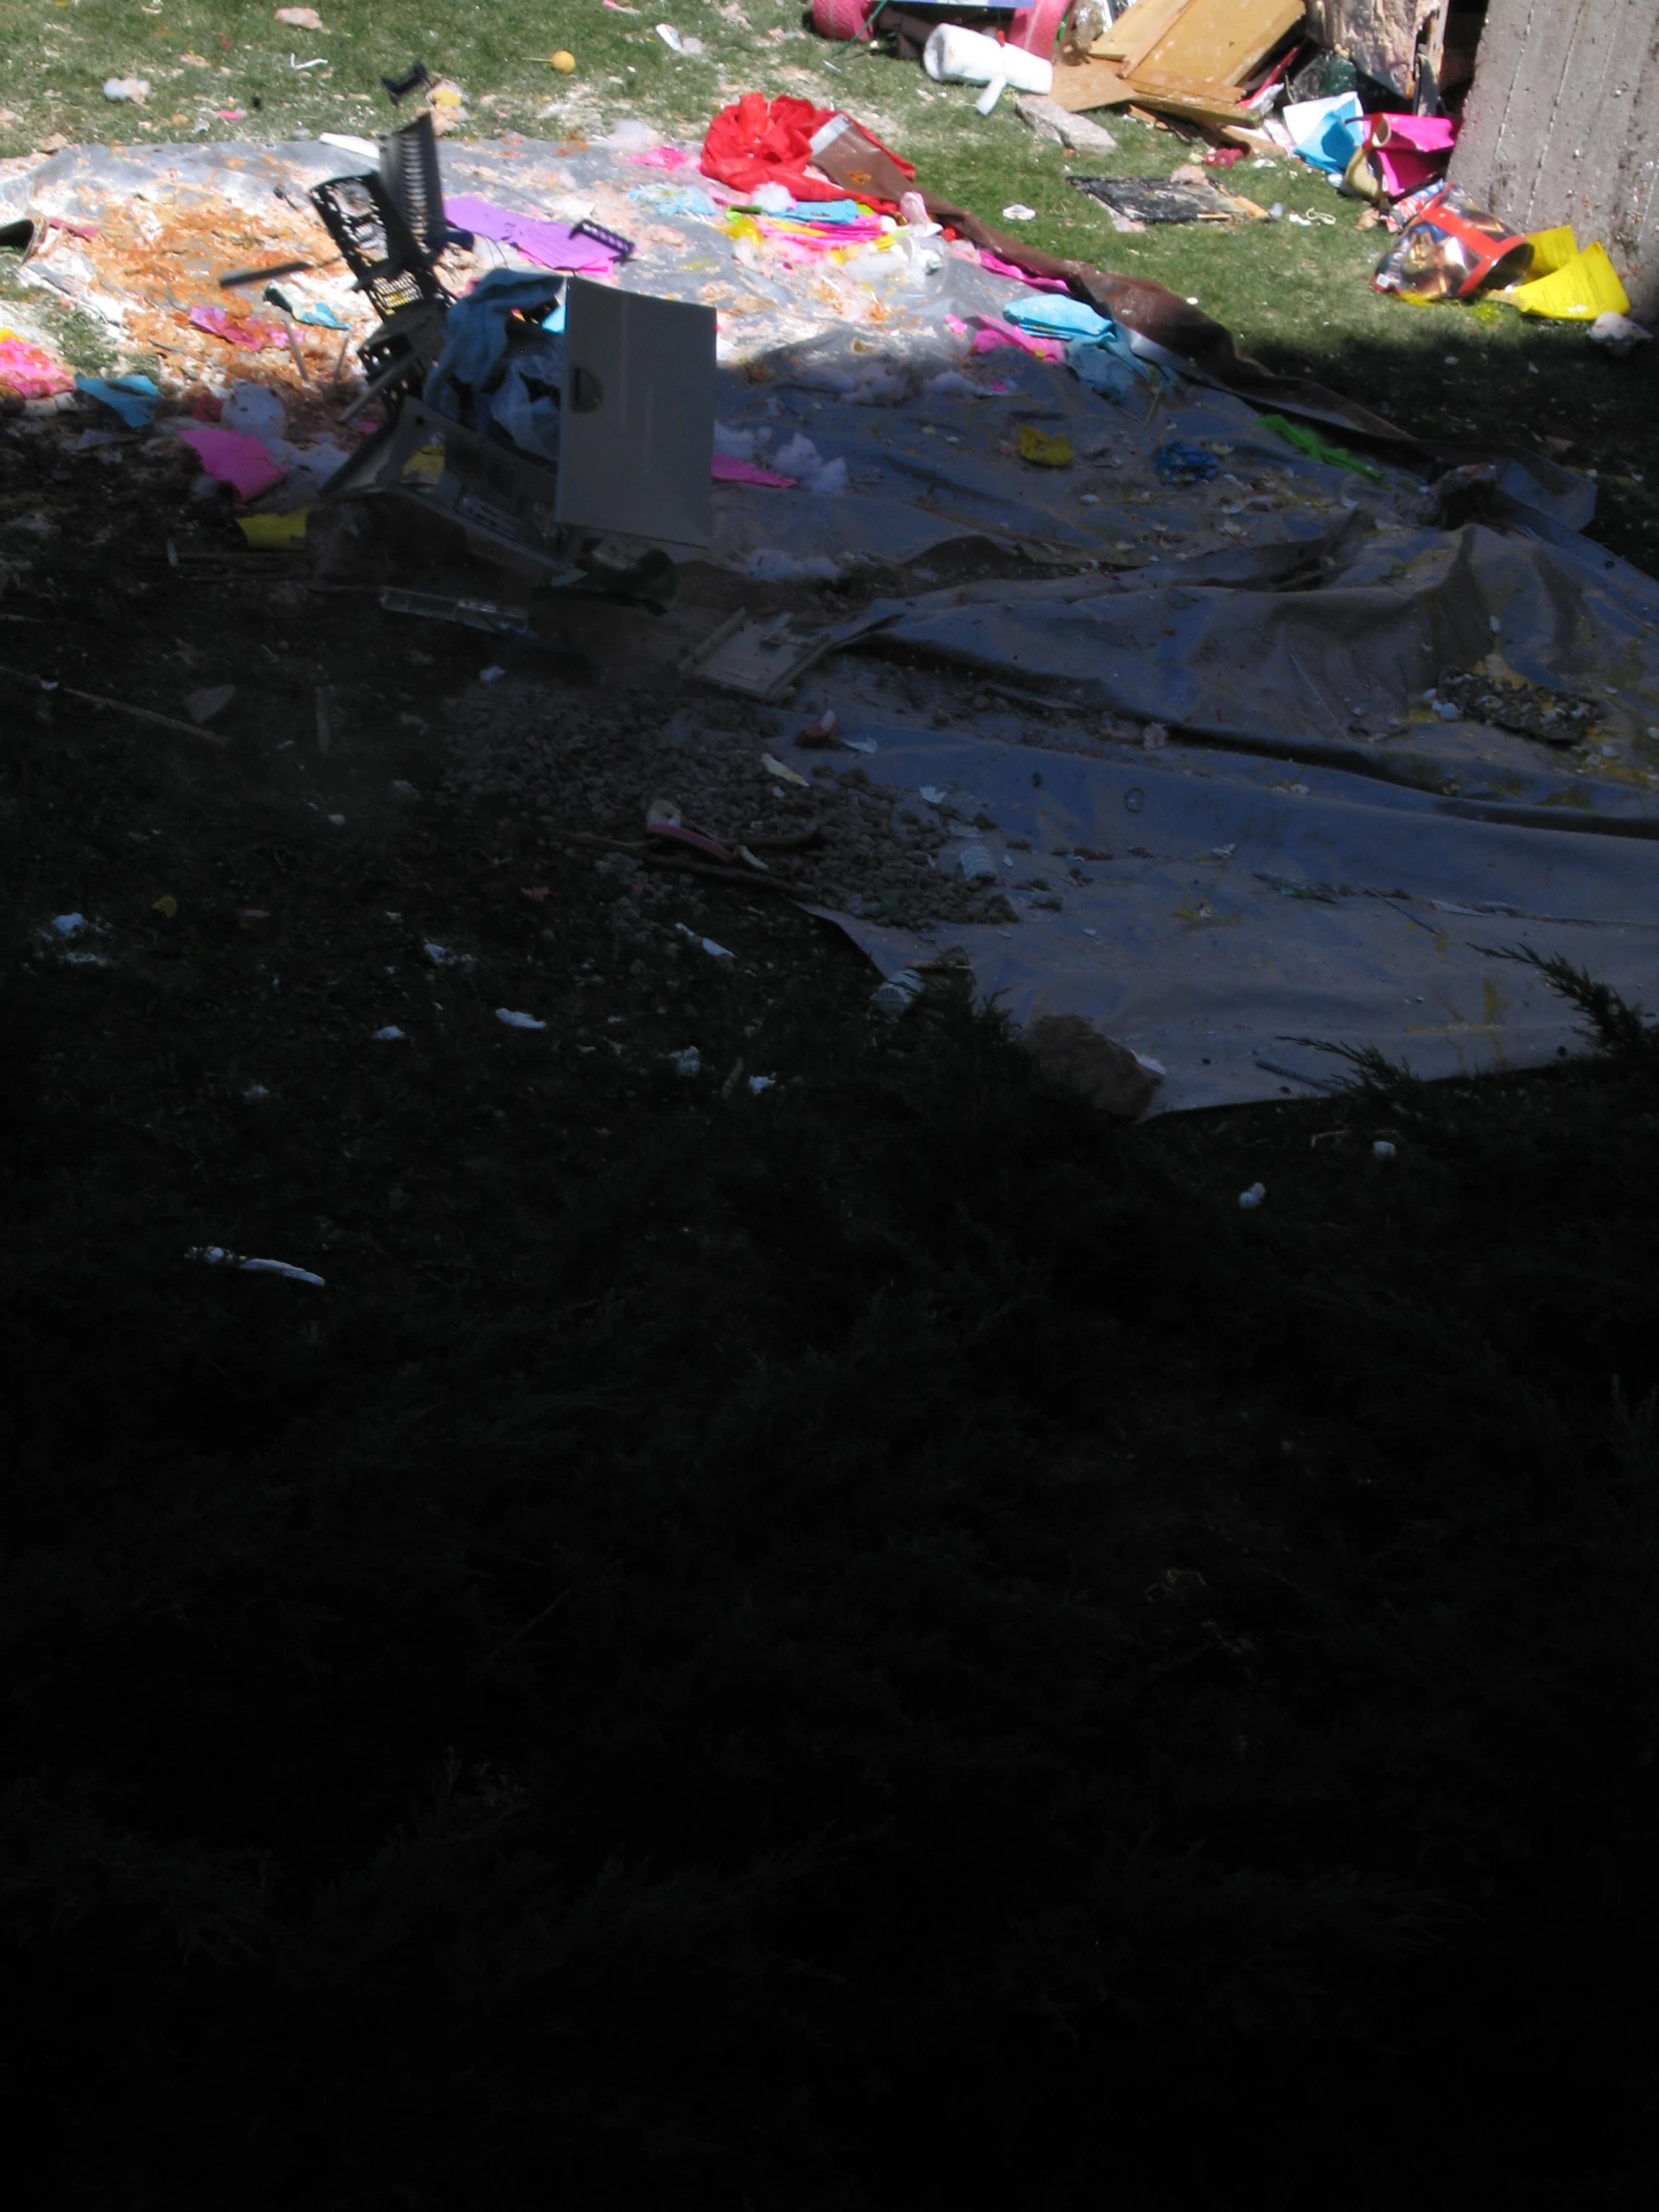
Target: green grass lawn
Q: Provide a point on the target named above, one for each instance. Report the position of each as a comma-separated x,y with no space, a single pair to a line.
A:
1298,299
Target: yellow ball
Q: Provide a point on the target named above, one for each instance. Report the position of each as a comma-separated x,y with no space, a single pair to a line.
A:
564,63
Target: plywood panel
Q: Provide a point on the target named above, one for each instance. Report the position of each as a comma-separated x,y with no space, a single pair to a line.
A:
1137,28
1562,126
1217,41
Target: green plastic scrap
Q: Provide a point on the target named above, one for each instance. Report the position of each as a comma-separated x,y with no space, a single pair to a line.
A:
1310,443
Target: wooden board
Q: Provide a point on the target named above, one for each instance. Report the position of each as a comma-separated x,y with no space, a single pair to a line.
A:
1216,43
1080,86
1138,28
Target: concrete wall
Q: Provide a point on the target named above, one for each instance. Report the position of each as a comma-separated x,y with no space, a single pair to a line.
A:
1562,126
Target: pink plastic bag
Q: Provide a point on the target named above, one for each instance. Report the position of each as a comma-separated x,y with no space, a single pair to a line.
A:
728,469
248,338
1408,151
232,459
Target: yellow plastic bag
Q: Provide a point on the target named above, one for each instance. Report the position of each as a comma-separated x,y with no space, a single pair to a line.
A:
1577,291
1048,452
283,530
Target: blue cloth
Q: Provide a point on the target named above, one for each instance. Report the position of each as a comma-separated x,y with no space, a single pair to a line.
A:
1056,314
134,399
475,343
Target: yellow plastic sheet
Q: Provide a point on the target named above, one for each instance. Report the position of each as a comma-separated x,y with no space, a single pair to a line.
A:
1577,291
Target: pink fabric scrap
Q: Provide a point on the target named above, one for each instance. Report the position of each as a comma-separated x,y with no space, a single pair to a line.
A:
660,157
729,470
232,459
999,267
248,338
28,373
990,337
955,326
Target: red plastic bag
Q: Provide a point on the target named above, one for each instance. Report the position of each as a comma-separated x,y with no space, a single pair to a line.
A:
767,143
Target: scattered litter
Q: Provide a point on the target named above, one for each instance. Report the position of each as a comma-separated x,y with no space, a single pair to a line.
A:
491,675
69,925
1383,1150
213,699
761,656
687,1062
1253,1198
1618,333
677,43
406,790
1492,692
1156,200
514,1020
898,993
133,89
1308,442
821,733
715,951
391,1034
301,19
765,565
1185,464
758,1085
216,1255
167,906
782,773
1019,213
